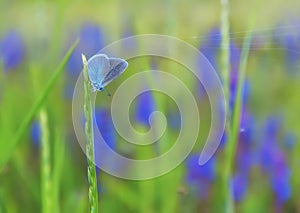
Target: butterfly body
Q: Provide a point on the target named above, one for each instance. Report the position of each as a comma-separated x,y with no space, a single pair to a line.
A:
102,70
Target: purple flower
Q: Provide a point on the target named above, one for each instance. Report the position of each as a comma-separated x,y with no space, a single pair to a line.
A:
11,50
235,55
35,133
200,177
174,120
106,129
129,45
91,41
272,127
196,173
280,177
274,162
270,141
105,126
289,40
144,107
209,48
240,185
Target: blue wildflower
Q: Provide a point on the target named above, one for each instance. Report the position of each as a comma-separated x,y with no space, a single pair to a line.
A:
289,40
198,176
11,50
280,177
197,172
235,55
174,120
35,133
240,185
106,127
129,45
274,160
209,48
145,105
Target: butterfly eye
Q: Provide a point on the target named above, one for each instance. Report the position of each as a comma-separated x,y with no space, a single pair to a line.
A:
101,88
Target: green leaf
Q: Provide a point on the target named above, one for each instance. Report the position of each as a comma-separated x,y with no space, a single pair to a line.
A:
11,145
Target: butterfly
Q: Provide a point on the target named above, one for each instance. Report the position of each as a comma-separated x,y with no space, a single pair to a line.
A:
103,69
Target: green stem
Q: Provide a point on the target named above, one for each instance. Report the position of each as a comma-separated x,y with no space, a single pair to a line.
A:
45,165
236,118
225,66
58,164
225,53
92,177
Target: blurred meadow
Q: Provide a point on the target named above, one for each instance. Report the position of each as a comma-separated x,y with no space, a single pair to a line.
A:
42,167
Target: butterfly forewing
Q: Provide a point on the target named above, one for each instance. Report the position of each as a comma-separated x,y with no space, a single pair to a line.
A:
117,67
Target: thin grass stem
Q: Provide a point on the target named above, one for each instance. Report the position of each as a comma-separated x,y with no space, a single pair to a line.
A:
89,134
46,179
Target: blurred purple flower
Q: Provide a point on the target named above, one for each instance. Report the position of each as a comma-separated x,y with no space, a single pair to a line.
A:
35,133
273,160
174,120
196,173
272,127
235,54
91,42
289,39
11,50
200,177
129,45
209,48
240,185
211,45
280,177
145,105
106,127
270,142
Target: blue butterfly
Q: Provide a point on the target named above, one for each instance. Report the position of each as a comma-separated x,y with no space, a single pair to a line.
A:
102,70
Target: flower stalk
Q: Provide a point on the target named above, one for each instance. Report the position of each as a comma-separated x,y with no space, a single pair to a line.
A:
89,134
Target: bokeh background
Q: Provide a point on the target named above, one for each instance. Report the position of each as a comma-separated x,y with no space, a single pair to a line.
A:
35,35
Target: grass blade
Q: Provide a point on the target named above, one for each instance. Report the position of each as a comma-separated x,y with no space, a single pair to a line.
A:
36,107
46,180
235,122
89,134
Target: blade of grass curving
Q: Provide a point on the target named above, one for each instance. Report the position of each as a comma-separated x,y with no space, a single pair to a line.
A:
235,125
225,54
36,107
225,73
89,134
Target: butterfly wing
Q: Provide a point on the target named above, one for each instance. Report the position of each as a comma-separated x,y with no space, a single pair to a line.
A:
98,67
117,67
